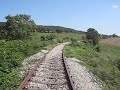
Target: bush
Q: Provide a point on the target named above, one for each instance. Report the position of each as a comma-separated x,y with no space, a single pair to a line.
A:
117,63
97,48
92,35
51,37
74,42
43,38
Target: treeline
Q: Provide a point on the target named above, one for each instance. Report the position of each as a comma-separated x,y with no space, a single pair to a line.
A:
56,29
108,36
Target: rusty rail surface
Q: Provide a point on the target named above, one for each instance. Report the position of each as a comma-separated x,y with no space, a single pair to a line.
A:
31,73
69,77
29,76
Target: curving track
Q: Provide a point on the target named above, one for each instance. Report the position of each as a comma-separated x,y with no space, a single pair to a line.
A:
50,74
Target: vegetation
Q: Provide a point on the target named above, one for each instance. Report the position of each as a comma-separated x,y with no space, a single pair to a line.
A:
108,36
56,29
11,55
19,39
105,64
17,27
13,52
92,36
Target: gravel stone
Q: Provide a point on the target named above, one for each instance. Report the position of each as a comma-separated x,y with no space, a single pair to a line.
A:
83,79
50,75
29,62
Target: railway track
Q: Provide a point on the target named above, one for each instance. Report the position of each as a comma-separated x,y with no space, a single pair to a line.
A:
49,74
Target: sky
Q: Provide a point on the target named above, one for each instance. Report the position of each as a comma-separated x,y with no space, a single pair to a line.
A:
103,15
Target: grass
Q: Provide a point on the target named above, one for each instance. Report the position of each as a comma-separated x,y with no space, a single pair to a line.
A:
105,64
63,35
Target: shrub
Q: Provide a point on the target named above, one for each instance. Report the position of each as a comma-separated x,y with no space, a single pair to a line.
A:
97,48
43,38
51,37
74,42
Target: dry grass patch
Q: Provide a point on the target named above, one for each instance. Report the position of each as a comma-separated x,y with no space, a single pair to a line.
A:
111,41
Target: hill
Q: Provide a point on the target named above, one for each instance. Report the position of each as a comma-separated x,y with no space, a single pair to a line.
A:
56,29
50,29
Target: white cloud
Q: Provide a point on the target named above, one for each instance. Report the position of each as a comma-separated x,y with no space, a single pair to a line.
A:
115,6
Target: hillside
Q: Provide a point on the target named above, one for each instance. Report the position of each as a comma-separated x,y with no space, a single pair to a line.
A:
51,29
58,29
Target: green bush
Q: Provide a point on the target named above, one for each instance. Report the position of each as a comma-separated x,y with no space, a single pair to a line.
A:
74,42
97,48
50,37
93,36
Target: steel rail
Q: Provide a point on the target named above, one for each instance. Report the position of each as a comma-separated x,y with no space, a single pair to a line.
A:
28,77
31,74
71,82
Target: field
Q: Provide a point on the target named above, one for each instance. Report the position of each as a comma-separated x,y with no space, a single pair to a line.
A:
63,35
111,41
13,52
105,64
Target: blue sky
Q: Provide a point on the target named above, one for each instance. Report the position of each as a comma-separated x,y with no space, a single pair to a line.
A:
103,15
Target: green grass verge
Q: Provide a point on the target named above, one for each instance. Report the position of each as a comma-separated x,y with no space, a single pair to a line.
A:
105,64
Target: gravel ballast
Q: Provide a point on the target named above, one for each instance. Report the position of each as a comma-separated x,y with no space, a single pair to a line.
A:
50,75
29,62
83,79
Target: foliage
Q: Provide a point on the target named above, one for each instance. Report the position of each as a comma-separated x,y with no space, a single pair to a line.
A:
97,48
62,36
18,27
92,36
51,37
48,37
114,35
73,42
108,36
104,64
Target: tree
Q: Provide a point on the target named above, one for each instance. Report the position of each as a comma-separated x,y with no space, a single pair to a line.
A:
114,35
58,31
93,36
19,26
